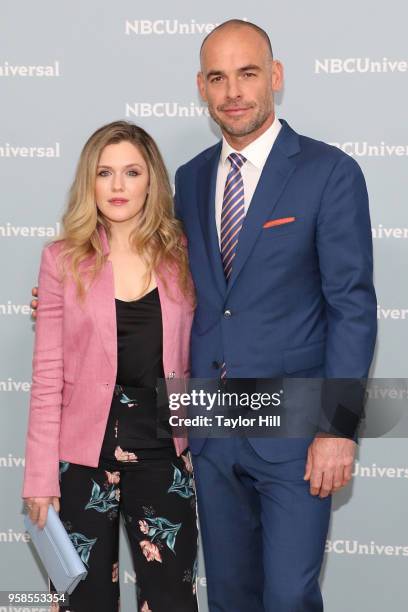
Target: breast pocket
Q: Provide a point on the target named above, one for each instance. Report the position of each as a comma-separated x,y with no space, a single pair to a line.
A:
277,227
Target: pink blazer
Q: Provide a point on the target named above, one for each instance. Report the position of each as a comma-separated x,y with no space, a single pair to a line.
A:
74,369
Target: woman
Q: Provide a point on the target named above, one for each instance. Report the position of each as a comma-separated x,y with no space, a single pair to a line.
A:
114,315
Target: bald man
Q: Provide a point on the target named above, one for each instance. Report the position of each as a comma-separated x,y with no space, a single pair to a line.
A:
280,250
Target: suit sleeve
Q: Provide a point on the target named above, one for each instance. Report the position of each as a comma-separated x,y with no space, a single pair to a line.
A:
344,246
42,445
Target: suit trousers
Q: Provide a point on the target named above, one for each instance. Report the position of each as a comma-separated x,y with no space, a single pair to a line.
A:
263,533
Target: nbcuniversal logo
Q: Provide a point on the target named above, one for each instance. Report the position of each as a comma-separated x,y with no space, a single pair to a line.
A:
11,386
360,65
159,27
354,547
166,109
366,149
11,461
29,231
18,70
378,471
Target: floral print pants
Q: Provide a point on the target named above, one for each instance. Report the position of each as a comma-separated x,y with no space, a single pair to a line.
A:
156,500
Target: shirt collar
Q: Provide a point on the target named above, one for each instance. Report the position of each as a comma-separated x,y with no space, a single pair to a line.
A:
258,150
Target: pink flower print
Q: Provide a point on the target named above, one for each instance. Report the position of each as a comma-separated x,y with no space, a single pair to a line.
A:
122,455
187,463
145,607
144,527
115,572
150,551
112,477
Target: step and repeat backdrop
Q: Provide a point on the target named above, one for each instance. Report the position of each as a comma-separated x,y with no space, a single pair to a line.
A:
67,68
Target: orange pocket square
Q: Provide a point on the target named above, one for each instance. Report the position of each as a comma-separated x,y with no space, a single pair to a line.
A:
279,222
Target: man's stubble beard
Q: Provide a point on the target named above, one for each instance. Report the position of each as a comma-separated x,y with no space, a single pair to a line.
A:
264,111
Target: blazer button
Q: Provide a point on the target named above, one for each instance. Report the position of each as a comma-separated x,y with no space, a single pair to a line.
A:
216,365
172,374
227,314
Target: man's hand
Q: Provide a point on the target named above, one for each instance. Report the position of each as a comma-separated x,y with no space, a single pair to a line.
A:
329,464
34,302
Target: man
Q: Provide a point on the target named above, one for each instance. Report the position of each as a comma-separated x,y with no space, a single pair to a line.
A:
280,251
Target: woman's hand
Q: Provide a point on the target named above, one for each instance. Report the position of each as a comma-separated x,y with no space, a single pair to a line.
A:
38,508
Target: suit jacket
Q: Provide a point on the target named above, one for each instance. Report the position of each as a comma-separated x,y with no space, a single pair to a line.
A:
75,365
300,301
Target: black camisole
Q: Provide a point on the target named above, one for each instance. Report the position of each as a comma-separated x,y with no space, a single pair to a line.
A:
140,341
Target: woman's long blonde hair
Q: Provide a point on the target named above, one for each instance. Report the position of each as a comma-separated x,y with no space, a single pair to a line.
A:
159,238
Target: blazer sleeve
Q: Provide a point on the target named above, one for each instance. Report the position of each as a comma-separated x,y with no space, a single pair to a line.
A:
344,245
41,477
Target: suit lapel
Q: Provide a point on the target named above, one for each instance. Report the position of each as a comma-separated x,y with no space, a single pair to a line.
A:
277,171
206,184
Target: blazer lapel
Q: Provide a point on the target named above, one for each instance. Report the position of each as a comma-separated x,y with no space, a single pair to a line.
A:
277,171
101,304
206,185
168,308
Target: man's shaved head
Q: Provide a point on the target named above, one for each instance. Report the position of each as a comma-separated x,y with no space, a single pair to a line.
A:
238,78
237,24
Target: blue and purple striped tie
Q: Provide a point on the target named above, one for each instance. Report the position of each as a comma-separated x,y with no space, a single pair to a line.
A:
232,217
233,212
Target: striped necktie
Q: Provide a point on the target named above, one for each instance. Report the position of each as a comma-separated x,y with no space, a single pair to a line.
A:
233,212
232,217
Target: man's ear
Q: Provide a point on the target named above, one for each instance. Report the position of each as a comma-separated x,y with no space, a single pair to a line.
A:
201,85
277,75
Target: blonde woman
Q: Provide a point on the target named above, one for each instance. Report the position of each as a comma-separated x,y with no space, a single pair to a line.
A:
114,315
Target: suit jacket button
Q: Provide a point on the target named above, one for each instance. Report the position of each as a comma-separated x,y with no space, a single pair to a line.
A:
216,365
227,314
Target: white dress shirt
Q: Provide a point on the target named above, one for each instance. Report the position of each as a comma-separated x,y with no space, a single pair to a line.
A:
256,154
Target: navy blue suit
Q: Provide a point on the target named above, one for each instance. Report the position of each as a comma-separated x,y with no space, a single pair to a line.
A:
302,303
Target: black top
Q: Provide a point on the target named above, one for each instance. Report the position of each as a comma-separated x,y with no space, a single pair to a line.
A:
140,341
140,416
